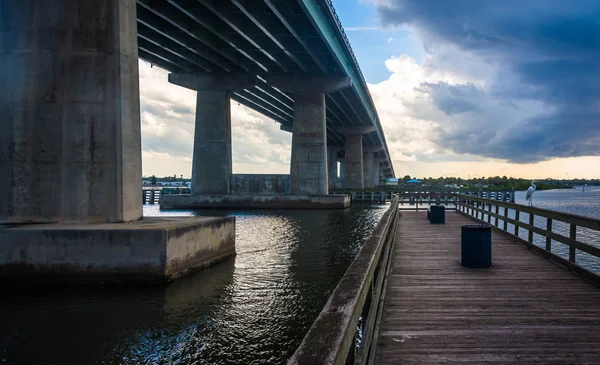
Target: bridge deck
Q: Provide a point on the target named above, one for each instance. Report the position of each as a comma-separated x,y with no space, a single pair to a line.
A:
523,310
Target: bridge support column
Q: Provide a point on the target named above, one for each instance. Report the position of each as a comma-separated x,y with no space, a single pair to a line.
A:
212,161
368,168
378,170
70,153
70,142
332,170
353,159
308,168
369,165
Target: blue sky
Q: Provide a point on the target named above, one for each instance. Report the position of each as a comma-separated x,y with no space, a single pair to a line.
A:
372,42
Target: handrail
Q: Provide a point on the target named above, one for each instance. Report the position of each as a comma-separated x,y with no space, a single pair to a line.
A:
343,331
487,208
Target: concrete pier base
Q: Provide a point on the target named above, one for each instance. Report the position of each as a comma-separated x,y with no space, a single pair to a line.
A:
332,201
150,250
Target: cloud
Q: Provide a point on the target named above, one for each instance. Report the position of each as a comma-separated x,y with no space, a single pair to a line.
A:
168,114
390,40
511,80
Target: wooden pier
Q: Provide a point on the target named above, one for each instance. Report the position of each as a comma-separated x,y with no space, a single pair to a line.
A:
406,299
524,309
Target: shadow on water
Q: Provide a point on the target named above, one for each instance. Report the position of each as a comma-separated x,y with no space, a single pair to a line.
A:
255,308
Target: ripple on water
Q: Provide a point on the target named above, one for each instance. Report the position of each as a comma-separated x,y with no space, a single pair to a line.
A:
255,308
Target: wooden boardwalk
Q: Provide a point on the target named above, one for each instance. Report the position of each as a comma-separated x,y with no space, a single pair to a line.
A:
523,310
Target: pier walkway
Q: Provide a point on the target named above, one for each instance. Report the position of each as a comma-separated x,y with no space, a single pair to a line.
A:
525,309
406,299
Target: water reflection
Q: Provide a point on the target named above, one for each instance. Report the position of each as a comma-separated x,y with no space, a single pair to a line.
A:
253,309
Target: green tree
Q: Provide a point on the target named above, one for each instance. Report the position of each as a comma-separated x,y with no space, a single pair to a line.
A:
153,180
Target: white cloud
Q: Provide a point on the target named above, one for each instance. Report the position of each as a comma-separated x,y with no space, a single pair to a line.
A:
167,115
427,128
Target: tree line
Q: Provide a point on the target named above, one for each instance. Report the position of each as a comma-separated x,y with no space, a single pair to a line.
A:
504,182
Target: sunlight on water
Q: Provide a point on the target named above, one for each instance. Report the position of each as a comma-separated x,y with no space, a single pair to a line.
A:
254,309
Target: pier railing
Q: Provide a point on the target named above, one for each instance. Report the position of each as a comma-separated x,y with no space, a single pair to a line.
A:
522,222
419,199
343,331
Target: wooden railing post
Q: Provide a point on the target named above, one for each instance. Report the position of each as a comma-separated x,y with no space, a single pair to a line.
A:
573,236
496,217
505,216
517,214
531,223
548,230
489,220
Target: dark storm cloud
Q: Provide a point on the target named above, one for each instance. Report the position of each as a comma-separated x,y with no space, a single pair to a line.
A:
551,47
453,99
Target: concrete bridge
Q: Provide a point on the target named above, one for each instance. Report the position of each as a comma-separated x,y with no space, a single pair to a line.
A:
70,117
288,59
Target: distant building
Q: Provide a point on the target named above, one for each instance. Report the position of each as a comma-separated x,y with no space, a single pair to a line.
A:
391,181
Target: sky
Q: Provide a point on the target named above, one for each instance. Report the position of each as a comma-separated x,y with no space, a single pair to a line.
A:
462,88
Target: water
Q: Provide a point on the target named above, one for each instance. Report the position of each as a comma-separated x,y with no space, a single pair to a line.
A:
254,309
572,201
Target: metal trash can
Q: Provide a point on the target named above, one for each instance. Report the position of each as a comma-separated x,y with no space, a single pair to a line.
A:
437,214
476,245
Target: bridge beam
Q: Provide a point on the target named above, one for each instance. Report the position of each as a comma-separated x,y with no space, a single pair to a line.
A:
212,160
70,142
309,84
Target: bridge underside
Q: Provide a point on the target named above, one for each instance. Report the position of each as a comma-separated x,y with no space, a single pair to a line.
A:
262,38
269,39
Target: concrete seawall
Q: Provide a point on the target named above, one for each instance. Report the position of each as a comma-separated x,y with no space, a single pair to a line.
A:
152,250
260,184
331,201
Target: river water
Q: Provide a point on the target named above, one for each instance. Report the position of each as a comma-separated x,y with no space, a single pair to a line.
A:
573,201
253,309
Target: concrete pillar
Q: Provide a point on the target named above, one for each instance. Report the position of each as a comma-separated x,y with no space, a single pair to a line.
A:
376,174
308,167
353,162
342,168
212,162
332,161
70,146
353,159
308,170
368,168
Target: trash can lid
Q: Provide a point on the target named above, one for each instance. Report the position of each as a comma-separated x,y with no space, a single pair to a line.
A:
476,226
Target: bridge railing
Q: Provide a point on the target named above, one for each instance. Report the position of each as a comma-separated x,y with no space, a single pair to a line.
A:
343,331
558,236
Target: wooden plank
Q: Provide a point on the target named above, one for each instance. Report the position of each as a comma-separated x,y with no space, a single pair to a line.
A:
438,312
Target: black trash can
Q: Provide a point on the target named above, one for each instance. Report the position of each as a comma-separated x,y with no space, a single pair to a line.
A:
437,214
476,245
